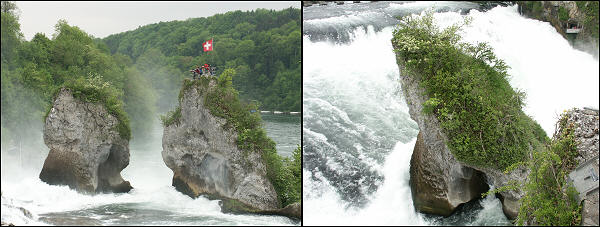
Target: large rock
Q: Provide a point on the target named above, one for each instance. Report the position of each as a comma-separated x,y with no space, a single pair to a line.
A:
438,181
439,189
87,152
586,135
206,160
293,210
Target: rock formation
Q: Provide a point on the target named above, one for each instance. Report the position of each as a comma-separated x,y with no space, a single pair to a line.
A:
87,152
438,181
293,210
205,159
439,189
586,136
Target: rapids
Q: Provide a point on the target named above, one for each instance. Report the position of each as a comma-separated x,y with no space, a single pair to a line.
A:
357,134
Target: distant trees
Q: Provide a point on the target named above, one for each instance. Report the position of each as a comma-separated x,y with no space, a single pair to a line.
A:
32,72
264,46
145,67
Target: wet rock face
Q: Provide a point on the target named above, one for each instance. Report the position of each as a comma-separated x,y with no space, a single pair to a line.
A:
205,158
438,181
87,152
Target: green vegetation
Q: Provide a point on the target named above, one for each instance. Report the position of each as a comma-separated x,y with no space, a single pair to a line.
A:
263,46
481,115
590,22
549,200
34,71
469,94
536,7
94,90
222,101
563,15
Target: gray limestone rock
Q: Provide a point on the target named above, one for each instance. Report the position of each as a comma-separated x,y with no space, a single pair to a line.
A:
206,160
438,181
87,152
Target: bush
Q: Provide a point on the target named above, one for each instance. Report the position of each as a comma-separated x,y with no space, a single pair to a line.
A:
468,93
590,22
549,199
563,15
171,117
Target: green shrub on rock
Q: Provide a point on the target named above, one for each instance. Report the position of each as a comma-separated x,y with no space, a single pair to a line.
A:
94,89
549,199
468,92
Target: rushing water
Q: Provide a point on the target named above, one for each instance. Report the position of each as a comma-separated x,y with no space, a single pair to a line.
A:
153,201
357,134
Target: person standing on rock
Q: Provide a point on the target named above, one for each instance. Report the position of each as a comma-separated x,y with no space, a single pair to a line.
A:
195,71
207,67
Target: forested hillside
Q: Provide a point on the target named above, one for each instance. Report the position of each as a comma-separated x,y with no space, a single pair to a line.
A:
263,46
144,68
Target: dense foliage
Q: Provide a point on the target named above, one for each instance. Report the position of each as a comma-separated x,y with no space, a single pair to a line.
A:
563,15
549,199
590,12
38,68
222,101
263,46
468,92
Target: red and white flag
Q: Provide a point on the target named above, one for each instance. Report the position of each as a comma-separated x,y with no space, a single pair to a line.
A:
208,46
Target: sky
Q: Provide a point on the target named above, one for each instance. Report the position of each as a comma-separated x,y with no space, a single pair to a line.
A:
101,19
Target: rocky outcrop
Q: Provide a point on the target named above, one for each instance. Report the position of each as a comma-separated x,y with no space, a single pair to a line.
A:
293,210
87,152
205,159
440,182
439,189
586,135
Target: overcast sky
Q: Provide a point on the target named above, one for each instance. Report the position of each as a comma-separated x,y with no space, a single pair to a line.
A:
101,19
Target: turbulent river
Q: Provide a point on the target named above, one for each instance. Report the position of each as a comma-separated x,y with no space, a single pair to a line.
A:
153,201
357,134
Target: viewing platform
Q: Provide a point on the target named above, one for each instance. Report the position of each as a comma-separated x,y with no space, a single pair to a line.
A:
573,30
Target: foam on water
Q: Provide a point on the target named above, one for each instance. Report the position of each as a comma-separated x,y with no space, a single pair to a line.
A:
152,195
555,76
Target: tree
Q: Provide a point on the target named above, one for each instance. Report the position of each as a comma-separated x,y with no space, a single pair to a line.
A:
11,32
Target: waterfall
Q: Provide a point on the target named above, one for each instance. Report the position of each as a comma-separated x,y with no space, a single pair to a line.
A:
357,134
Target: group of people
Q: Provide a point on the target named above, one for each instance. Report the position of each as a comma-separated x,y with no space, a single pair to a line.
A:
204,70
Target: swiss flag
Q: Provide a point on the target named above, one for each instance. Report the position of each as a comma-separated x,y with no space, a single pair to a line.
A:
208,46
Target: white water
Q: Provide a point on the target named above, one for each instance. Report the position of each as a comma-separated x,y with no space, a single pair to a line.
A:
152,201
344,84
555,76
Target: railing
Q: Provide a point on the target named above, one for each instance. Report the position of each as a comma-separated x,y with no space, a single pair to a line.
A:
279,112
